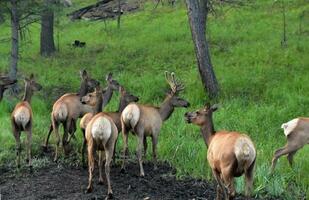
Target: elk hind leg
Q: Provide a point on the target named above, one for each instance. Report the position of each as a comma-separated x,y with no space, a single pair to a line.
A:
91,167
249,179
278,153
109,155
29,149
290,157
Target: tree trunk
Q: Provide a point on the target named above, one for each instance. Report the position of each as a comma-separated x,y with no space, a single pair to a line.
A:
47,47
119,14
14,35
197,14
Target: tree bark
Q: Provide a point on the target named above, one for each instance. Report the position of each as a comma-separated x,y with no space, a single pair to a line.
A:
47,45
14,35
197,15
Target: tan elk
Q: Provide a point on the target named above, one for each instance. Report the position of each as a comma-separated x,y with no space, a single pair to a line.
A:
297,133
5,83
144,121
22,119
230,154
67,109
125,99
101,135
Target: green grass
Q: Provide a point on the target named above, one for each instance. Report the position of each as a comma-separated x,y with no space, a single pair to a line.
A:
262,84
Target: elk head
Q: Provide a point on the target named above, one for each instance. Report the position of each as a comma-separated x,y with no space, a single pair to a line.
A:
125,98
30,87
87,84
113,84
175,88
201,116
92,98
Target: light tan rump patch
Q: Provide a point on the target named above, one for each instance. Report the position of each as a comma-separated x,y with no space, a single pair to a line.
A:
22,116
245,150
130,115
289,126
101,129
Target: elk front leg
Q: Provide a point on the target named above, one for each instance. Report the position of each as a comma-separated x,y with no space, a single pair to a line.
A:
154,151
91,167
109,155
139,154
220,185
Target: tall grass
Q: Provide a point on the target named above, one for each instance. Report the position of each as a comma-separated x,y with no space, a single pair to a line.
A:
262,84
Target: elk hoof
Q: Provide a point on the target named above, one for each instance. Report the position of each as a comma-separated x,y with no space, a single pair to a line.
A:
123,170
101,182
89,190
109,196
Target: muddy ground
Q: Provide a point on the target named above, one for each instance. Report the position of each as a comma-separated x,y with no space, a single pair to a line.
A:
63,181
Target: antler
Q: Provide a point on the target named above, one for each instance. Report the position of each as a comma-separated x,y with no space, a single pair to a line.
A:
176,85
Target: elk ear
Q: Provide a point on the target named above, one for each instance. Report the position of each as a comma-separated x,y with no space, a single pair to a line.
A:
83,74
214,107
109,76
207,105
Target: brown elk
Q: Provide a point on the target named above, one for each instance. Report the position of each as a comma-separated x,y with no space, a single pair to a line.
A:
297,133
230,154
67,109
22,118
145,121
101,135
5,82
125,99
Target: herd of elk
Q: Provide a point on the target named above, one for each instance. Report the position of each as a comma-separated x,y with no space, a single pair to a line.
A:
144,120
229,154
22,118
125,99
236,158
67,109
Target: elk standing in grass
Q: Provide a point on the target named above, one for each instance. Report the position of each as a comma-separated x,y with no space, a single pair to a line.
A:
125,99
146,121
101,135
67,109
297,133
22,118
5,83
230,154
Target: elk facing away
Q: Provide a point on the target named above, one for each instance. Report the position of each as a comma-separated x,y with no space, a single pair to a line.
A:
297,133
125,99
230,154
22,118
67,109
5,82
146,121
101,135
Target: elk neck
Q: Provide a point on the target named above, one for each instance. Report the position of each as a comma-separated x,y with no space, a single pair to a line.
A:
208,130
122,104
107,96
28,94
98,105
166,109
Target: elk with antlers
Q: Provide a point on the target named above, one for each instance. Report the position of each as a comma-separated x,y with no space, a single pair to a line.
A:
144,120
230,154
22,118
67,109
125,99
5,82
101,135
297,133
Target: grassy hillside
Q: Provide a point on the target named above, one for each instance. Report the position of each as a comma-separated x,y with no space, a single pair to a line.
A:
262,84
